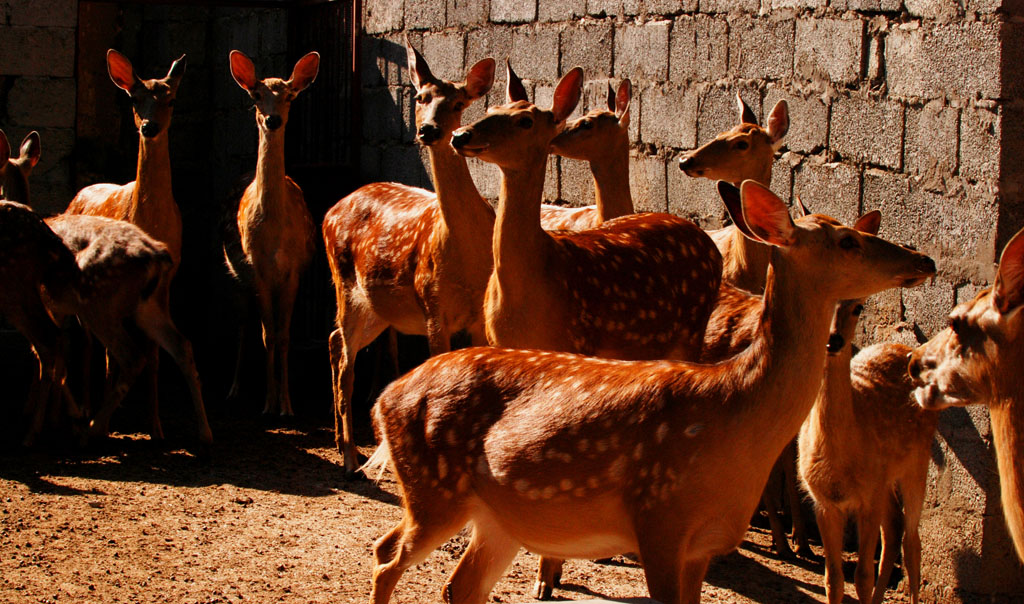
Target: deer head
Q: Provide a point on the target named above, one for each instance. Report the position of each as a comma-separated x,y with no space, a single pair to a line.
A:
440,103
273,96
592,134
14,171
152,100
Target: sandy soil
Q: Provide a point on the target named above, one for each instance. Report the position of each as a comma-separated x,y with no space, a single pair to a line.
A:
267,516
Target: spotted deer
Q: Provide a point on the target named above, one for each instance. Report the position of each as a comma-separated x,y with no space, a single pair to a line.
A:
601,138
574,456
273,243
639,286
864,452
147,201
746,151
978,359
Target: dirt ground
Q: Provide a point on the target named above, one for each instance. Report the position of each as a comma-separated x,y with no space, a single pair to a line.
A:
267,516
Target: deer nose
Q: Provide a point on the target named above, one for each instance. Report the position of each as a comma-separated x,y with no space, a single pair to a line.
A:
926,265
149,129
461,138
685,163
428,133
835,343
273,122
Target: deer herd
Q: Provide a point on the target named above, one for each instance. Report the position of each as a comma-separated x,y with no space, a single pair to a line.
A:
634,380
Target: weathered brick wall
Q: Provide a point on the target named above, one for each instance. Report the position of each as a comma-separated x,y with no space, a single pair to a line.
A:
37,85
911,106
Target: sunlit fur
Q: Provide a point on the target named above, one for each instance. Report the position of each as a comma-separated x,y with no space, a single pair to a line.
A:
979,358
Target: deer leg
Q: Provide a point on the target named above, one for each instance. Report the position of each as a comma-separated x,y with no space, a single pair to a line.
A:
549,574
127,354
236,381
158,325
831,523
891,538
37,327
151,377
490,552
440,340
913,492
284,308
267,321
780,542
794,500
693,579
409,543
661,560
868,522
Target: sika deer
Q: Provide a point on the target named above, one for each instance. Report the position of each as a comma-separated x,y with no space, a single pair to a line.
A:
274,227
572,456
979,359
148,201
14,171
601,137
746,151
639,287
404,257
864,442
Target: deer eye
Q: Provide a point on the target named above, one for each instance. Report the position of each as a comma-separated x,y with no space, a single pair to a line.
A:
526,123
742,146
422,98
459,106
848,243
586,124
858,309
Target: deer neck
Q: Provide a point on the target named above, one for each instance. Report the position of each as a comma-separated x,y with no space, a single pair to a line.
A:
1008,437
468,217
747,260
152,193
611,183
270,173
14,185
778,376
520,244
832,415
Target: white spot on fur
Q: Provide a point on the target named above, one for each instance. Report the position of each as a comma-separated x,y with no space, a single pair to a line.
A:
661,432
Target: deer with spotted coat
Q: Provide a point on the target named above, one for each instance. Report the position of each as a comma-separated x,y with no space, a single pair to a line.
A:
979,359
590,292
864,451
273,243
574,456
147,202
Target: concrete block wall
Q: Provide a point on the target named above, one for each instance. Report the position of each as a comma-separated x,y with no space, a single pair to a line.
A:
909,106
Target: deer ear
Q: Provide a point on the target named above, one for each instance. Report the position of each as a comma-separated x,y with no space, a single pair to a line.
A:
514,89
177,70
869,222
1008,292
622,99
120,70
611,98
5,150
30,148
419,71
305,71
803,209
746,113
480,78
731,197
766,215
778,121
242,70
567,94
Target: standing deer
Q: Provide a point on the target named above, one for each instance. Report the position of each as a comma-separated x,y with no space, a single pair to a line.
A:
14,171
979,359
746,151
864,442
574,456
147,202
639,286
275,230
601,137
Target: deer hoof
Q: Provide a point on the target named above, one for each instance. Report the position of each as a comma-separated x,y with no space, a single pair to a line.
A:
542,591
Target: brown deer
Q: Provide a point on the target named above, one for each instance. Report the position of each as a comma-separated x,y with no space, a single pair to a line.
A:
14,171
639,286
601,137
405,257
978,359
864,442
574,456
746,151
148,201
274,228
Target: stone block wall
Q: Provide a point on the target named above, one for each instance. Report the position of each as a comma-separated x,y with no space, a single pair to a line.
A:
909,106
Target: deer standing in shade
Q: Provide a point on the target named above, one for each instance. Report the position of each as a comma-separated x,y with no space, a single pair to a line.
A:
571,456
979,359
275,230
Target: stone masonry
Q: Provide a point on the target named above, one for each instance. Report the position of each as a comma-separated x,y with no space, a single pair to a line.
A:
909,106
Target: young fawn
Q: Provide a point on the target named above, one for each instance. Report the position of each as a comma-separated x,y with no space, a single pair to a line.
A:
978,359
274,228
640,286
864,442
148,201
576,456
746,151
601,138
